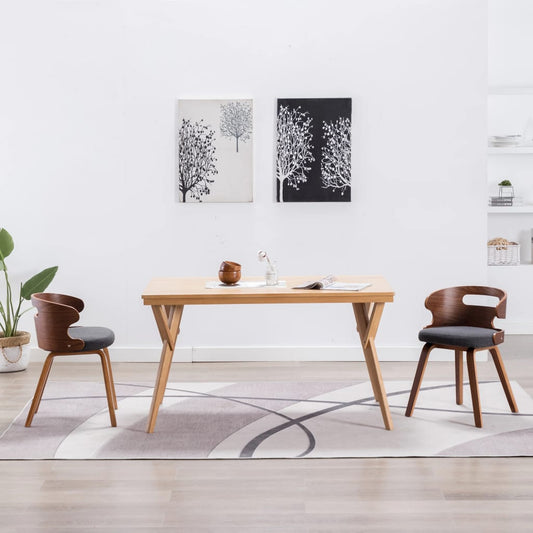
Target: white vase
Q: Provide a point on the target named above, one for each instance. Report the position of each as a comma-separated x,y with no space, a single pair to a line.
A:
15,352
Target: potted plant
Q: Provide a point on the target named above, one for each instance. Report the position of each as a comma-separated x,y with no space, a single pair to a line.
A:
506,189
14,349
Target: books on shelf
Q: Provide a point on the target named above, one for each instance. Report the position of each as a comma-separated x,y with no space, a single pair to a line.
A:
501,200
330,283
506,201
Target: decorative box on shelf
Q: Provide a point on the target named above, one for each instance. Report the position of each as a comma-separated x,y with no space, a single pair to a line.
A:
503,252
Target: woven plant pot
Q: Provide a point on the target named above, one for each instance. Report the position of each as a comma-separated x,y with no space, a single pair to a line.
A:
14,352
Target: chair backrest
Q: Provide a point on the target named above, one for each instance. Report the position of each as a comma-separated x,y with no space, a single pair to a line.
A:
448,308
55,313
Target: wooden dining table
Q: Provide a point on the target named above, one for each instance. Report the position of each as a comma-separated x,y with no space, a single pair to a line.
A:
169,295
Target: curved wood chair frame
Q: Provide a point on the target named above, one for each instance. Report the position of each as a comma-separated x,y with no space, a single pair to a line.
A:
55,314
448,309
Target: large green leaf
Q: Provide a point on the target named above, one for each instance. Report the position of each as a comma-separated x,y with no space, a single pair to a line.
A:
6,245
38,283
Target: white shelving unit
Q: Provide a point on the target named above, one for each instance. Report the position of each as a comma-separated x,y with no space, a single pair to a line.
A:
509,109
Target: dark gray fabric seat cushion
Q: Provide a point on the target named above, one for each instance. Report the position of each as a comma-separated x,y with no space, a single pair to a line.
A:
464,336
95,338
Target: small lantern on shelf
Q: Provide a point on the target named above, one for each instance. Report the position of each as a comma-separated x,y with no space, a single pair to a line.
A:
506,189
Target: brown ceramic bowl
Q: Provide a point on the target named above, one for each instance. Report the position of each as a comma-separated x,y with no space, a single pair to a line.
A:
229,266
229,277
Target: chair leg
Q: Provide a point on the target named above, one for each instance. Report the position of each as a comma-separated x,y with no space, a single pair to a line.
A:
108,388
459,377
474,390
420,369
498,362
48,369
45,372
112,381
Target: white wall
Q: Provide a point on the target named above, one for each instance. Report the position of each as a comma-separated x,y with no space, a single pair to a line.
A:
87,129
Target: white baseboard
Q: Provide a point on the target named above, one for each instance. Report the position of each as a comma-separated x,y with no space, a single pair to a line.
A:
263,353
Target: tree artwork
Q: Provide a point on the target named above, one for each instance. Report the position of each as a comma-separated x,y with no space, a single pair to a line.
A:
196,153
294,148
313,161
336,165
236,121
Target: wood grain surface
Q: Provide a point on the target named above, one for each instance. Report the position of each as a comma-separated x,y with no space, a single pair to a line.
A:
336,495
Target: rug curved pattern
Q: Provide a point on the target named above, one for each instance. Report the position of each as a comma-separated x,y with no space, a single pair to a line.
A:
267,420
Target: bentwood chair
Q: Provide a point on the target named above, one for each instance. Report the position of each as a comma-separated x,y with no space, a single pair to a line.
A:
53,323
466,328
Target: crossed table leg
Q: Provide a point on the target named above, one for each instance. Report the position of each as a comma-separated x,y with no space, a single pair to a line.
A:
367,316
168,318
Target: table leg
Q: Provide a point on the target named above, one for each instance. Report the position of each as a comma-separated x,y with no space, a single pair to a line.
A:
367,318
168,320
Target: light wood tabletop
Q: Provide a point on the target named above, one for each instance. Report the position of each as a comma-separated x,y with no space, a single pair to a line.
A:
193,291
168,295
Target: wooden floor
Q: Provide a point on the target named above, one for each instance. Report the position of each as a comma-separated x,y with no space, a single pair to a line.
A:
335,495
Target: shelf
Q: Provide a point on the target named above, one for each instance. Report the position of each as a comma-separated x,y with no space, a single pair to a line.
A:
500,90
516,209
503,150
521,265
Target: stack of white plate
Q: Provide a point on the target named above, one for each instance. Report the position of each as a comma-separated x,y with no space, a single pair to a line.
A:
505,140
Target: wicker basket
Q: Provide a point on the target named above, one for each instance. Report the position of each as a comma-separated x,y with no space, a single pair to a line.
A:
20,338
14,352
506,254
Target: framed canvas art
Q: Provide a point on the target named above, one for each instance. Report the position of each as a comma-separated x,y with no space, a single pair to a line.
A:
314,150
214,149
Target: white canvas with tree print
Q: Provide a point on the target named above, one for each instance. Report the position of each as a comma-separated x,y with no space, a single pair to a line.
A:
214,151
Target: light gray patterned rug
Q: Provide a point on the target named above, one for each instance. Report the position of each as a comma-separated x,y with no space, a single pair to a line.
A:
266,420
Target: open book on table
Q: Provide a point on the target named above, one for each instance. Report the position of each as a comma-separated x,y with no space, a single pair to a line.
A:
330,283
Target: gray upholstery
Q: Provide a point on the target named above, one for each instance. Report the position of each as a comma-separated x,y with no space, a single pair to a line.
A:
95,338
461,336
